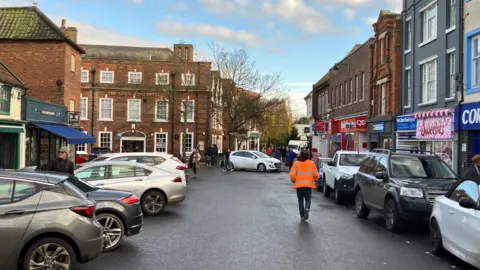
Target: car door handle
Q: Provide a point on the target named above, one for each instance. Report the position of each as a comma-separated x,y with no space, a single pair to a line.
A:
451,212
15,212
139,180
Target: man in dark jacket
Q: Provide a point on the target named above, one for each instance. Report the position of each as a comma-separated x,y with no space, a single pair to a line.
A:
61,163
474,170
214,155
227,160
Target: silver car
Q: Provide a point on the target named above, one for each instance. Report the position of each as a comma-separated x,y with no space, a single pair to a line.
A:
154,186
45,225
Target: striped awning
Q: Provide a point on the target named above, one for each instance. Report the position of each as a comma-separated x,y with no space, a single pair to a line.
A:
433,113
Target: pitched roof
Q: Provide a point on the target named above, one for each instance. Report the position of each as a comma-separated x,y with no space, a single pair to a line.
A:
323,80
29,23
129,53
7,76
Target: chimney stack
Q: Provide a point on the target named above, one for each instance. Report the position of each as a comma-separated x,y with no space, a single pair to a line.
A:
70,32
184,51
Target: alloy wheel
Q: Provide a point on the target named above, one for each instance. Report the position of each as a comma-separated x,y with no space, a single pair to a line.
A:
154,203
390,215
50,256
262,167
358,202
435,237
112,230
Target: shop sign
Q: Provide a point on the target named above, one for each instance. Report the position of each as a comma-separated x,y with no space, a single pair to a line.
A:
353,124
73,117
319,126
470,116
136,94
406,122
435,128
378,127
306,130
407,136
41,111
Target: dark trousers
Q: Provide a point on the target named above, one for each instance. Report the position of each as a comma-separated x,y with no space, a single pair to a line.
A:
212,161
194,168
304,196
225,165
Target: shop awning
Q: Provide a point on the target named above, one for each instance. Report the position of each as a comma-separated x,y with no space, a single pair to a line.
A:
433,113
73,136
11,129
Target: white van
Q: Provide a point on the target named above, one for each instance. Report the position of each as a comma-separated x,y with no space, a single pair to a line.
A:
296,146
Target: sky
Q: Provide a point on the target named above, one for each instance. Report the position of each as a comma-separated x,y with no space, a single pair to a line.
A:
301,39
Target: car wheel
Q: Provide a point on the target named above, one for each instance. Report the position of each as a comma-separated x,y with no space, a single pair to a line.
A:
326,189
435,237
49,253
338,195
361,209
261,167
393,221
113,230
153,202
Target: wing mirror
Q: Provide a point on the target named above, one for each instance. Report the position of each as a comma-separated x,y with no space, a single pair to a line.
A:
380,175
468,203
332,163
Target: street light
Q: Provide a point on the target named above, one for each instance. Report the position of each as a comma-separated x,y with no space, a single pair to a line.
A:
335,68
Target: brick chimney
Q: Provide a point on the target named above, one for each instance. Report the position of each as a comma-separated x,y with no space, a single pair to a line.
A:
184,51
71,32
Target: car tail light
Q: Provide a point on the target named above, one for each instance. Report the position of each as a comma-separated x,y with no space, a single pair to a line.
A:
180,167
130,200
86,211
177,179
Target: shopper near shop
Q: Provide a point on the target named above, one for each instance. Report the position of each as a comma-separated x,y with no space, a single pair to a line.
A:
303,175
474,170
61,163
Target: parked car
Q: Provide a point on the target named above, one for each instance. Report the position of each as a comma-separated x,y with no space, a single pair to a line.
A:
45,223
320,163
253,160
164,161
338,174
455,222
401,185
98,151
119,212
154,186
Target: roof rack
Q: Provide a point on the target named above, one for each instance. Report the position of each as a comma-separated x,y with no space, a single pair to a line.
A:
411,150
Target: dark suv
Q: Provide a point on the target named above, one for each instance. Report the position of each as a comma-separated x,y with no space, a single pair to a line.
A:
402,184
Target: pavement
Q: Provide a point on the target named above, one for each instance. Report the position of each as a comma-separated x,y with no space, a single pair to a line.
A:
249,220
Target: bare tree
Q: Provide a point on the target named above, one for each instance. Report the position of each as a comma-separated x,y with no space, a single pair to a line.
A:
247,93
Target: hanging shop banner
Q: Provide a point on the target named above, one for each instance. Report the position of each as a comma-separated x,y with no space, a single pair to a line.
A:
319,126
435,127
406,123
355,124
378,127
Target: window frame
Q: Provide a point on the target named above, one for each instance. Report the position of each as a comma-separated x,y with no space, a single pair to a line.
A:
83,145
429,17
452,73
408,83
156,110
73,63
131,81
452,15
426,79
184,79
100,139
181,142
104,72
162,73
139,110
83,72
7,91
85,117
474,59
408,41
100,118
363,87
192,120
156,143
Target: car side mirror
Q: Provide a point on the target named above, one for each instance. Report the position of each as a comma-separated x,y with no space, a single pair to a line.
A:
332,163
254,157
468,203
380,175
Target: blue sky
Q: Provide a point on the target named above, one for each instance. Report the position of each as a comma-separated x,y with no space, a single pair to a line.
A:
301,39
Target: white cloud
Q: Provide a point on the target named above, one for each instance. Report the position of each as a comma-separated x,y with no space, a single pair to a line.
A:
220,33
237,7
297,103
350,13
297,12
16,3
370,20
395,5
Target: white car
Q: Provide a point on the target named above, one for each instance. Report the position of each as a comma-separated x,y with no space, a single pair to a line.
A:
154,186
455,223
253,160
164,161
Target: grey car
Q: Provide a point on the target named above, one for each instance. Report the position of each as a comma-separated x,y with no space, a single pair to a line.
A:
45,224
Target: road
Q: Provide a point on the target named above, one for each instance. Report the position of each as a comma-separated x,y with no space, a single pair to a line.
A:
250,220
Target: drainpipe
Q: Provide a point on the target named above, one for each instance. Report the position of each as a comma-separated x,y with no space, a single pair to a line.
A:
460,85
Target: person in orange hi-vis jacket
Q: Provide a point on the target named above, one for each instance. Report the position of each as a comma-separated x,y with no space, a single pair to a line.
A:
303,175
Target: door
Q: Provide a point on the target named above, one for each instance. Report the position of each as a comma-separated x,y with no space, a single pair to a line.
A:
8,151
476,144
250,161
330,171
95,175
238,160
464,224
127,177
379,186
18,203
368,180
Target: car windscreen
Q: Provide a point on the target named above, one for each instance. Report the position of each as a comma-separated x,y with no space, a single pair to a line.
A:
260,154
415,167
351,159
294,147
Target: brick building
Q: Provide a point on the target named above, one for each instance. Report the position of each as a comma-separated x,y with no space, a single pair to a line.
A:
141,97
386,86
320,115
349,80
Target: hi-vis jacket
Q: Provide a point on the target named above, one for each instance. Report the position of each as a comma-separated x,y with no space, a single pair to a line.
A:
304,174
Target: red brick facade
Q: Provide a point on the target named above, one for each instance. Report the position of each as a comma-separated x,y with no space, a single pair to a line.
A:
148,92
386,59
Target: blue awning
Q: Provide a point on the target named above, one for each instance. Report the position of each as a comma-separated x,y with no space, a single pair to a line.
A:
73,136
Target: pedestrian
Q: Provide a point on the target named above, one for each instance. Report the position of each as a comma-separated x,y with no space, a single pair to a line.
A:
474,170
61,163
284,154
209,155
194,162
269,151
80,159
214,155
290,159
227,160
303,175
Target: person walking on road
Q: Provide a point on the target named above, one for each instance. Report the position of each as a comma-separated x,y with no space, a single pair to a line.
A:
194,161
214,155
303,175
61,163
227,160
291,158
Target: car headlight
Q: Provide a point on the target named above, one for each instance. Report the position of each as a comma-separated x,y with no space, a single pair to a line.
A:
411,192
347,176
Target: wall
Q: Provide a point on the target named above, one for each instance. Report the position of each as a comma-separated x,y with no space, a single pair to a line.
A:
471,29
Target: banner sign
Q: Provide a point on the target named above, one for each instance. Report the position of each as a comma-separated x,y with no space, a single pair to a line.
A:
435,128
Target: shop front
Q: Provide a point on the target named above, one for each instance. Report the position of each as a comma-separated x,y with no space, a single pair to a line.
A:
47,131
381,132
469,130
348,134
320,138
434,132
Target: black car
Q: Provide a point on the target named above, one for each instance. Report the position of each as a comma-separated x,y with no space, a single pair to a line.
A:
401,184
119,212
